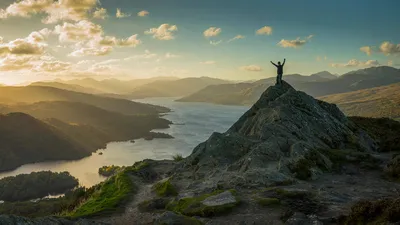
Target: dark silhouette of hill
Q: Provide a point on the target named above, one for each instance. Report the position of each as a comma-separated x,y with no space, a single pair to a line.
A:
373,102
174,88
87,123
32,94
316,85
25,139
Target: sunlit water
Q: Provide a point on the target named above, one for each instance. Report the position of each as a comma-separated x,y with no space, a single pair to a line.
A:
194,123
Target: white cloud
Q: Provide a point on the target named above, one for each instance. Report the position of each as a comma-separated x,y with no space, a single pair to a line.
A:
267,30
251,68
100,13
143,13
237,37
147,55
13,63
81,31
34,44
53,66
208,62
212,32
120,14
132,41
388,48
100,51
82,62
294,43
215,43
56,11
356,63
366,49
164,32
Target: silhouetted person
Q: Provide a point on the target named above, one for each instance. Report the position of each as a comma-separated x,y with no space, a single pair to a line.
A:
280,71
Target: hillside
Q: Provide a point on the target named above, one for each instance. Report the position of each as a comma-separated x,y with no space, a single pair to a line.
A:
174,88
115,126
32,94
373,102
25,139
315,85
113,86
68,87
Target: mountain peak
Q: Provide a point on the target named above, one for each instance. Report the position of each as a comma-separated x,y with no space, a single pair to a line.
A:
282,127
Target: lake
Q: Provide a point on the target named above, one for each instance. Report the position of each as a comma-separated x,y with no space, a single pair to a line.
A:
193,124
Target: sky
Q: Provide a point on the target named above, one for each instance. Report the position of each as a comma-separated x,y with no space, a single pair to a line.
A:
236,40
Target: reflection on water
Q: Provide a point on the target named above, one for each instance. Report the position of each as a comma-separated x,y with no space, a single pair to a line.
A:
194,123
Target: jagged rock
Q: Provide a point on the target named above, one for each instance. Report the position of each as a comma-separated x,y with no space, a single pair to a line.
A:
283,127
220,199
17,220
170,218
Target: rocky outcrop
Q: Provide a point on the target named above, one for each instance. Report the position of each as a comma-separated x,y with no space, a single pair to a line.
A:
282,128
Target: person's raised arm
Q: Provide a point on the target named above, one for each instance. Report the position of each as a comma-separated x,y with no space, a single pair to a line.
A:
284,60
273,63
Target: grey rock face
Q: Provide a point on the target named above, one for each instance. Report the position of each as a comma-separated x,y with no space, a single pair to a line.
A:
170,218
220,199
282,127
301,219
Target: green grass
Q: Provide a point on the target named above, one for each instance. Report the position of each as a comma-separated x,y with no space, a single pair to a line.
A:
107,197
195,207
177,157
164,189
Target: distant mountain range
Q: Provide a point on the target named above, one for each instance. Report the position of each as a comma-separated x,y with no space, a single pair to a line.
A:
174,88
317,85
135,89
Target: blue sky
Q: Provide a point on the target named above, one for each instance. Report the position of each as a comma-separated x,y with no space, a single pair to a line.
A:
338,30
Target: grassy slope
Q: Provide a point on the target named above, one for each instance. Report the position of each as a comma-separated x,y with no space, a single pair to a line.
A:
374,102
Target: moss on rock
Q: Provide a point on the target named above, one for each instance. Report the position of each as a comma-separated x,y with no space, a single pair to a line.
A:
165,188
196,207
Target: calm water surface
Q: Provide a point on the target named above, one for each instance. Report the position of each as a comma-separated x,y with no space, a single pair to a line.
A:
194,123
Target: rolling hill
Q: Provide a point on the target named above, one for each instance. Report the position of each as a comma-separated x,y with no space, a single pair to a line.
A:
113,86
64,131
68,87
115,126
32,94
316,85
25,139
373,102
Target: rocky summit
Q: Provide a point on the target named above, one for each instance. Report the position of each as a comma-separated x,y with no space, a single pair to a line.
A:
282,129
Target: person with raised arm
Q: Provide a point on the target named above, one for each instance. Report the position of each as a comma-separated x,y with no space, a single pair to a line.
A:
279,72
